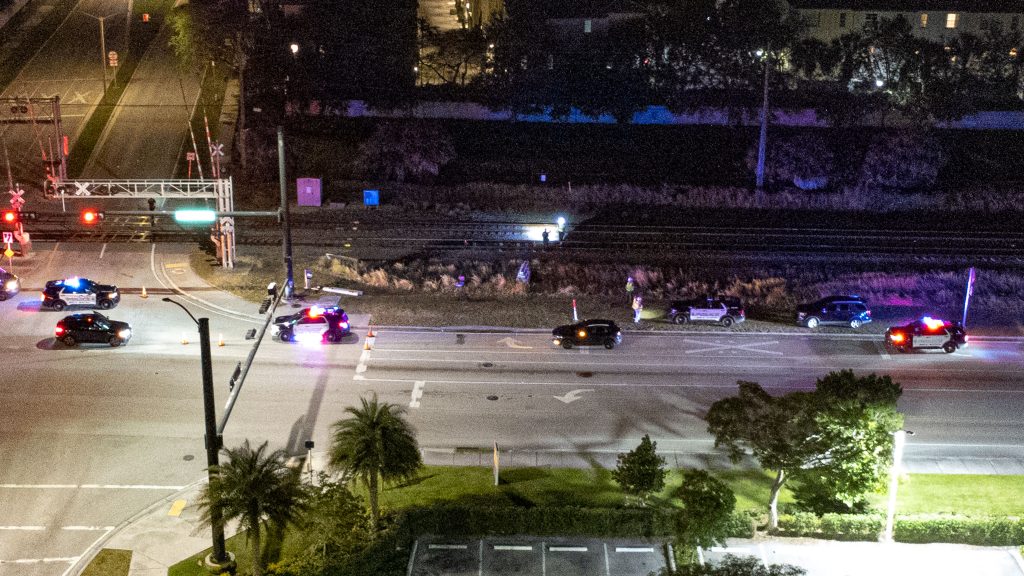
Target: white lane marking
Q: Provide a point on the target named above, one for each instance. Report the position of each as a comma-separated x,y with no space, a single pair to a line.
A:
417,393
358,377
882,351
93,486
363,359
516,548
103,250
513,343
716,346
448,546
572,395
567,548
87,528
23,528
632,549
67,560
213,308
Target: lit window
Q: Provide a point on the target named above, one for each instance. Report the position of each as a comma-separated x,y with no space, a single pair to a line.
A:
951,20
924,20
842,19
587,26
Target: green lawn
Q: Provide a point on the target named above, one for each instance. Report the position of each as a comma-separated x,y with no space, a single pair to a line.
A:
961,494
109,562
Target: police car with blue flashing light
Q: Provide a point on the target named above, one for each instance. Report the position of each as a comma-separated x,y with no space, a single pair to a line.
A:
313,324
9,284
927,333
59,294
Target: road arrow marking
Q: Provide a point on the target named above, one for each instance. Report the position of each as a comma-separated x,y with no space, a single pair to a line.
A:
572,395
417,393
512,343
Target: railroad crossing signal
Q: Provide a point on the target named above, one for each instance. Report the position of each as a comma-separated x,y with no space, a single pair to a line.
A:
16,198
216,149
91,216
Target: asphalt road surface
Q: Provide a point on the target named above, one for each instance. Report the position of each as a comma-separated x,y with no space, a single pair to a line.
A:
91,435
69,66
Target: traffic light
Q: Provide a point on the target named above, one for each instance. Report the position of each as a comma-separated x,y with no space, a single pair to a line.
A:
90,216
10,217
195,216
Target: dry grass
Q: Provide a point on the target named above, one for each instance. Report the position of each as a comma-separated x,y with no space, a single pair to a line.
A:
424,292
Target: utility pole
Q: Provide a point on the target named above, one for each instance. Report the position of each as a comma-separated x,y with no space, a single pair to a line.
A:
103,52
762,142
285,221
219,557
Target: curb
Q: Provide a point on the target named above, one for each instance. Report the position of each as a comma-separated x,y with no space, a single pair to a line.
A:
93,549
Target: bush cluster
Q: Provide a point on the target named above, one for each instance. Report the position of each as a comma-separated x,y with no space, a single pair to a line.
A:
918,529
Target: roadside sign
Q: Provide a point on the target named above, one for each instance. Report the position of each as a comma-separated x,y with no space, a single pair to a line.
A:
190,156
8,238
9,253
216,149
112,57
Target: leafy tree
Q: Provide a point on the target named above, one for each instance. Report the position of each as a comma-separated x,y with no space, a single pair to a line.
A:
904,159
450,57
737,566
375,444
776,429
641,471
403,151
336,522
841,432
707,505
254,488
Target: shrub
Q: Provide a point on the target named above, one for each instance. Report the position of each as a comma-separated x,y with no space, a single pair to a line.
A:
854,527
902,160
979,531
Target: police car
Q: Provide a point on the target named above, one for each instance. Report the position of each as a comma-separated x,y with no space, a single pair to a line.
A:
724,310
59,294
313,324
92,327
9,284
927,333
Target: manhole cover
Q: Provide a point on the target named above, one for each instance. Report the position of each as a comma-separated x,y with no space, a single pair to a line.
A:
584,374
487,365
188,458
492,397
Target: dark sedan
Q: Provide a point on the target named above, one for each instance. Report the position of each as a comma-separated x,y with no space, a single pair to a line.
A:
92,327
588,333
9,284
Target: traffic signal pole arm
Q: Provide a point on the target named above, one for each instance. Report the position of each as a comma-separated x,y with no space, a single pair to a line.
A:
233,214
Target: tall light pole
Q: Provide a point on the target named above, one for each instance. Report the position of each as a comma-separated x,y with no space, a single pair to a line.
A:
219,556
762,141
103,46
285,219
899,439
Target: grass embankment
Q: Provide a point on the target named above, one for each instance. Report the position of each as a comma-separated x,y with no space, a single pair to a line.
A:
141,38
919,494
209,104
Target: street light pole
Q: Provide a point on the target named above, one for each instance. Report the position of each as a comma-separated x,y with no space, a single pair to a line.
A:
285,220
899,439
103,46
212,439
762,141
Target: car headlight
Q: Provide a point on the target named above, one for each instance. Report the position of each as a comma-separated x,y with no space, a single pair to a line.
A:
113,294
125,334
275,329
556,341
343,325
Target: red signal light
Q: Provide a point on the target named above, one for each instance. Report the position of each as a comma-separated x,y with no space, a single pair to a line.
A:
91,217
10,217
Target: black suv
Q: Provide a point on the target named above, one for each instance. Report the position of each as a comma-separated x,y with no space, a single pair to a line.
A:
9,284
849,311
92,327
588,333
59,294
725,310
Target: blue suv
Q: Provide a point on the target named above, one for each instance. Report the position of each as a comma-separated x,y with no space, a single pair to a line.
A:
849,311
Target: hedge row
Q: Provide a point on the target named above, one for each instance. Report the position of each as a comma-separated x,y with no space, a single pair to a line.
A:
980,531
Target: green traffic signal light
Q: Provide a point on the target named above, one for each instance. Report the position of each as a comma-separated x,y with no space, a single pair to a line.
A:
195,216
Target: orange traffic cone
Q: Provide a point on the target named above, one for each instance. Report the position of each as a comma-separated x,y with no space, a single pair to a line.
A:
144,294
220,340
371,334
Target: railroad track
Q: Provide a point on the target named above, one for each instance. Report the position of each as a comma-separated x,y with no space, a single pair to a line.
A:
455,237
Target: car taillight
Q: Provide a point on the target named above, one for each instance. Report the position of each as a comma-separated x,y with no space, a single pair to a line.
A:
897,337
59,330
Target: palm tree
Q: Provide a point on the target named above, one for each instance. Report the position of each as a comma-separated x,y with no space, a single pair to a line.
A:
375,444
254,488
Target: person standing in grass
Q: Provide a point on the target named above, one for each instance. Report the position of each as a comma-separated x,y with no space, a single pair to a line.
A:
629,289
638,307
